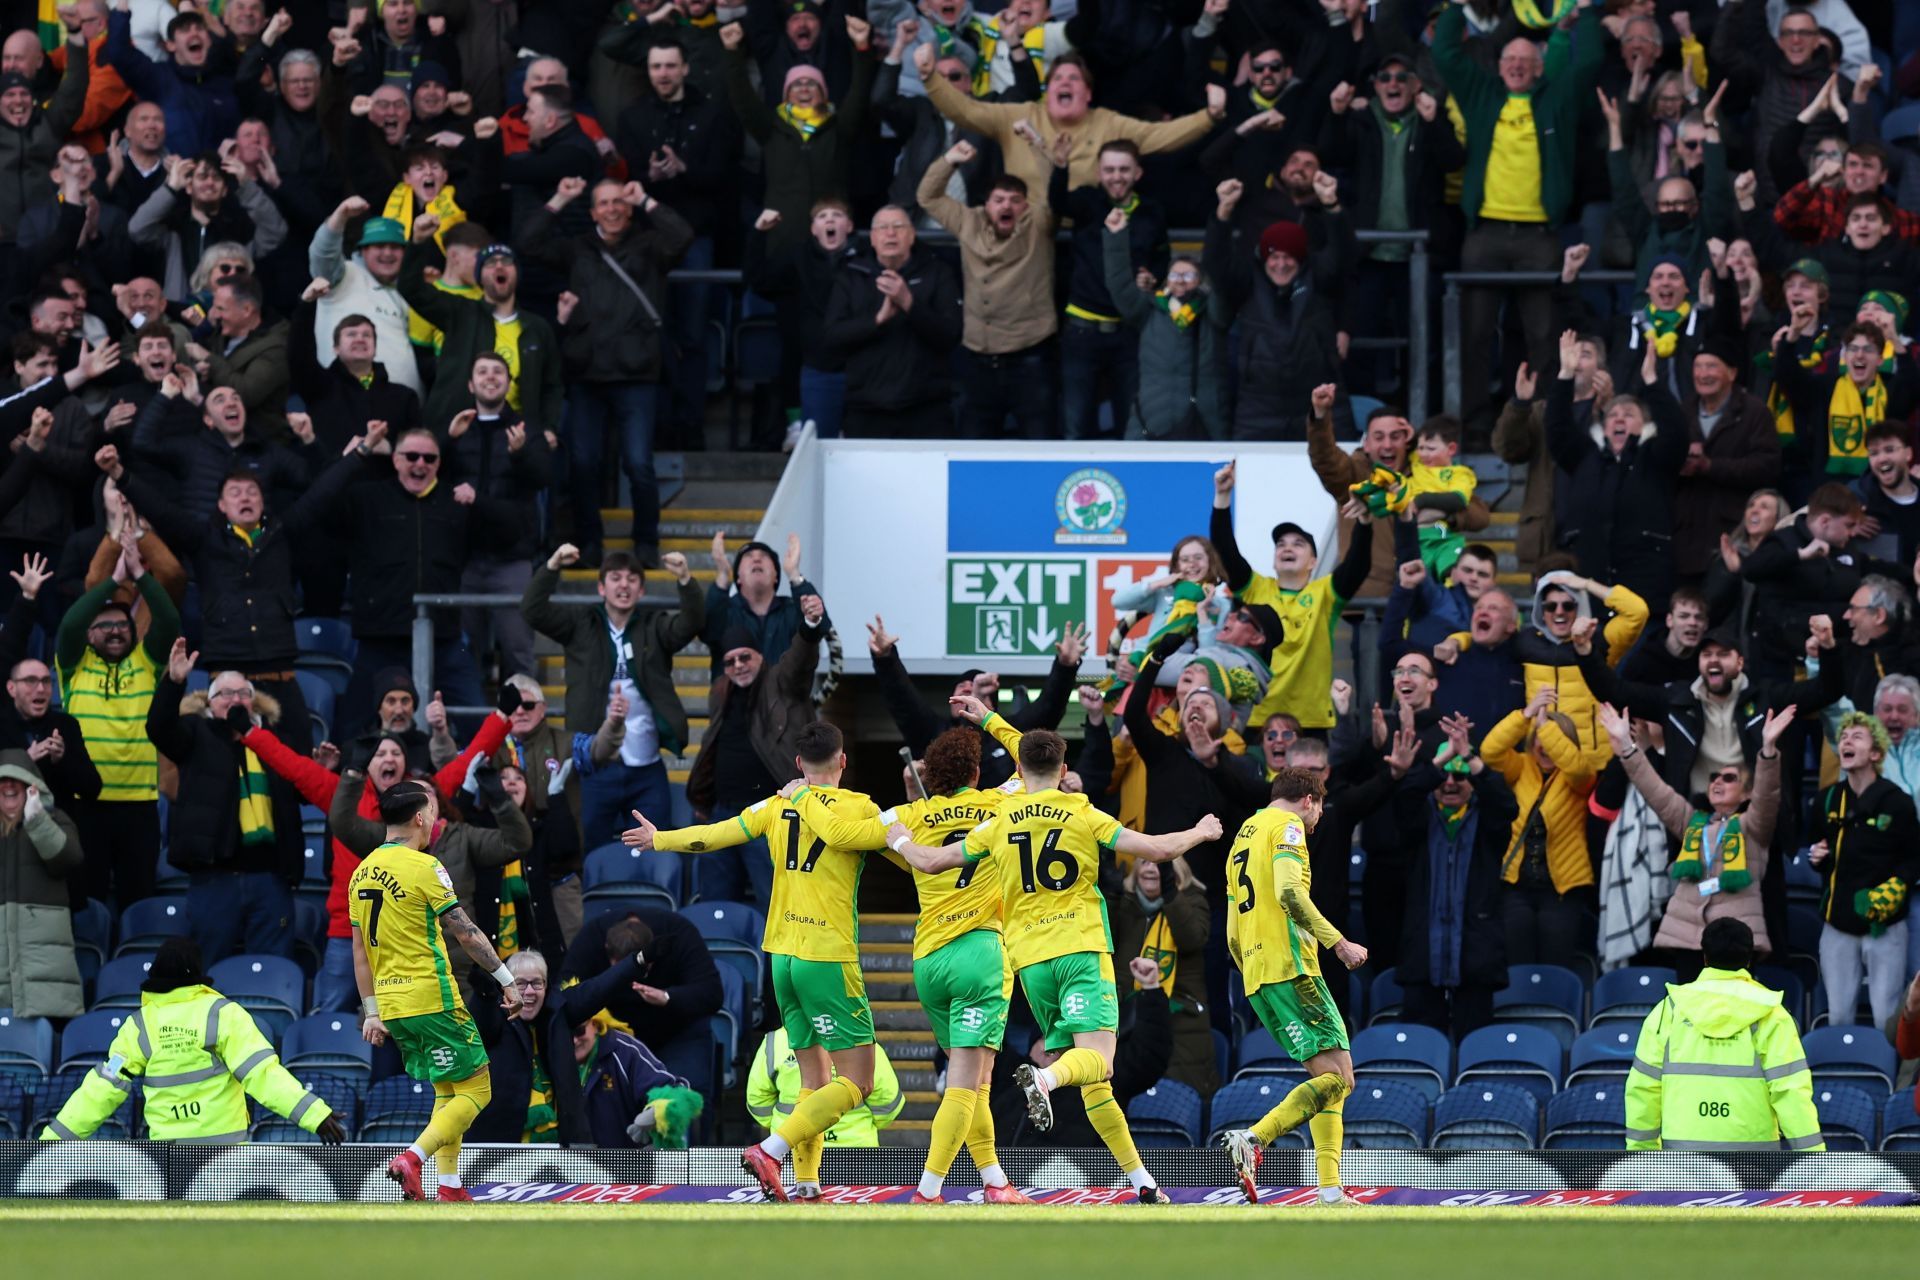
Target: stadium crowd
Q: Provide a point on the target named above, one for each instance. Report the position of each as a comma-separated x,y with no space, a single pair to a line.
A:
313,307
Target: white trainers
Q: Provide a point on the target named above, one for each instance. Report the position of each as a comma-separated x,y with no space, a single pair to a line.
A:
1244,1150
1039,1105
1341,1201
794,431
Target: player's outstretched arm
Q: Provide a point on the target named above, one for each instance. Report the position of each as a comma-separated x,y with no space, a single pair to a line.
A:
461,928
701,839
1165,848
922,857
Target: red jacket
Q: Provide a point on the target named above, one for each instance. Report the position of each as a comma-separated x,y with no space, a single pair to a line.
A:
514,138
317,785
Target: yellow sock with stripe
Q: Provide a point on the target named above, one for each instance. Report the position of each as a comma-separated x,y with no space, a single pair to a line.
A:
1306,1101
1329,1129
980,1141
1110,1122
1076,1066
453,1114
806,1155
950,1125
819,1112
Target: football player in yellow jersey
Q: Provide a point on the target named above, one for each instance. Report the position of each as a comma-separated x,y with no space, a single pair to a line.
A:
812,939
1046,846
398,902
1274,934
959,967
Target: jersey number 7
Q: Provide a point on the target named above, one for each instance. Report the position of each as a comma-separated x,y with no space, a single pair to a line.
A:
793,845
1042,869
378,899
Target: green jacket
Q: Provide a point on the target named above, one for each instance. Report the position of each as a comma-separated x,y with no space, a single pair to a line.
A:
1719,1067
1181,370
654,636
198,1055
466,326
773,1086
1561,94
39,977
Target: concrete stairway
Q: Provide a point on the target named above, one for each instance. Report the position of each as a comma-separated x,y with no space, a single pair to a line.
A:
886,960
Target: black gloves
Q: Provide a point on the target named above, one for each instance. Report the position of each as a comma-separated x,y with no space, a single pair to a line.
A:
330,1132
487,785
510,698
239,719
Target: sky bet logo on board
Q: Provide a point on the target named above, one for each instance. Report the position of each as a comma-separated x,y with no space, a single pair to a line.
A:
1090,504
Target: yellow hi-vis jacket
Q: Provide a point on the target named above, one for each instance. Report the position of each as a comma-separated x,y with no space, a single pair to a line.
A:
1719,1067
773,1087
197,1055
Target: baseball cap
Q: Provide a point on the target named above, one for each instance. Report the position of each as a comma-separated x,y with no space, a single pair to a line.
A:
493,251
382,231
1288,526
1809,268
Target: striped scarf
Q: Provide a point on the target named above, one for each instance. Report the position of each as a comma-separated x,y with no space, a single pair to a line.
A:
543,1122
805,120
988,32
1852,410
1880,904
1159,947
401,203
256,806
1182,311
515,904
1777,403
1729,854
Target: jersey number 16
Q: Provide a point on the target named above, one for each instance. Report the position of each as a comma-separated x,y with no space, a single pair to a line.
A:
1051,870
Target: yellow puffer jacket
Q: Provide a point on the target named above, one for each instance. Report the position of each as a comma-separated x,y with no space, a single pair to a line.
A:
1548,662
1561,796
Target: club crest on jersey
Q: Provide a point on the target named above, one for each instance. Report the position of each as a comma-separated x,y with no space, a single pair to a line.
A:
1090,504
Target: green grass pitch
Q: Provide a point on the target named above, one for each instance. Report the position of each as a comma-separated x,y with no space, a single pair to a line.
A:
533,1242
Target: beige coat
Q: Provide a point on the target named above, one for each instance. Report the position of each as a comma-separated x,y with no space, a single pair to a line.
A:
1688,912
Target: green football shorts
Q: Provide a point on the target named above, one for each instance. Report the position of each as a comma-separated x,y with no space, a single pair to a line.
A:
438,1046
822,1002
964,988
1301,1015
1072,994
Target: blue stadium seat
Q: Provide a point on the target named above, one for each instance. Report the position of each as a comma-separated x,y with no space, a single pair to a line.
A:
733,1011
92,936
1545,996
328,1043
326,648
1385,1114
1166,1115
309,933
1512,1054
168,878
1239,1011
339,1093
1222,1054
123,1124
1858,1055
1803,933
1404,1053
313,819
1602,1054
118,986
733,931
85,1041
1804,884
1385,1000
1238,1105
26,1047
1261,1055
1485,1116
1630,994
615,876
148,923
313,867
14,1105
396,1109
1900,1123
319,694
1849,1118
680,808
1793,994
270,988
1592,1117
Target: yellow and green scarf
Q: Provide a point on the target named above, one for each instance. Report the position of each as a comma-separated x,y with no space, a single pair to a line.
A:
1880,904
1183,312
1530,15
401,204
1385,492
1729,853
515,904
1159,947
806,121
1663,328
543,1122
1777,403
256,804
988,32
1851,412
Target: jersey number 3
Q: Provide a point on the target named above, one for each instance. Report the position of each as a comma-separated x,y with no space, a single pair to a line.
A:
793,845
1051,870
1240,859
378,899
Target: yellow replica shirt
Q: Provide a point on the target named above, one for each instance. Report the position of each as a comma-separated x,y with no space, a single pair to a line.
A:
1512,182
1047,845
1274,932
814,914
1448,479
110,700
395,899
1302,664
506,344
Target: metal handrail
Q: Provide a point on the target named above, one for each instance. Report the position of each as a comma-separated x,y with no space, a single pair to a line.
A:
1451,375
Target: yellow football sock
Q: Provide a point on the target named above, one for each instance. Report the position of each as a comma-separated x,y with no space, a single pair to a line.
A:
453,1114
1329,1129
950,1125
1110,1122
819,1113
806,1155
1078,1066
1306,1101
980,1133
